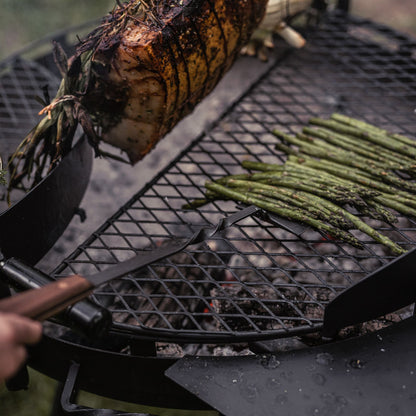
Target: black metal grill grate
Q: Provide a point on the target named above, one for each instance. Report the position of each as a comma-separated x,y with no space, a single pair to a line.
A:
21,81
256,280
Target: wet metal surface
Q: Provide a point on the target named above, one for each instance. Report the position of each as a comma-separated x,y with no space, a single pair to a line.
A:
371,375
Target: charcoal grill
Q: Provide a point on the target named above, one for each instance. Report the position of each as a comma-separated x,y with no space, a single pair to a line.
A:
255,282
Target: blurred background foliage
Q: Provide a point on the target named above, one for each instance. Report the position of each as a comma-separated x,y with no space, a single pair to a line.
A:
24,21
399,14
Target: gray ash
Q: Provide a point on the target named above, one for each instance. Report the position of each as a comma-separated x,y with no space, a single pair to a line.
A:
250,279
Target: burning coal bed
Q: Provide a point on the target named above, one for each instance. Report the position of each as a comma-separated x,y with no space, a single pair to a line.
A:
251,279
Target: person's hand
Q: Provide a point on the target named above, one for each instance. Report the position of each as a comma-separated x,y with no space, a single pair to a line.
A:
15,332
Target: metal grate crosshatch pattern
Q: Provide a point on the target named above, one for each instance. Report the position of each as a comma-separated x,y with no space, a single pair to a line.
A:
255,280
21,81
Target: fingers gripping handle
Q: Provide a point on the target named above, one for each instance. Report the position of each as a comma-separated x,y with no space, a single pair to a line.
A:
48,300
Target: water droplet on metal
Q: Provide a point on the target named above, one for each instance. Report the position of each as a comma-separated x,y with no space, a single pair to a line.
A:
269,361
358,392
287,375
342,400
272,383
334,403
319,379
281,398
249,392
357,364
324,358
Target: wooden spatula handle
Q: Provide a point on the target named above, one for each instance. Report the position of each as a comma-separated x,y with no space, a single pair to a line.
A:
48,300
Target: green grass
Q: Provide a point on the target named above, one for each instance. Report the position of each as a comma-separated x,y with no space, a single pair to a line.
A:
38,400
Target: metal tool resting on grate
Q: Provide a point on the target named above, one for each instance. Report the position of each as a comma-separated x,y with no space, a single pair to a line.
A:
255,280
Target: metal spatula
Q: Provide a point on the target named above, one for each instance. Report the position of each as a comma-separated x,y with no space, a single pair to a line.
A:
384,291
